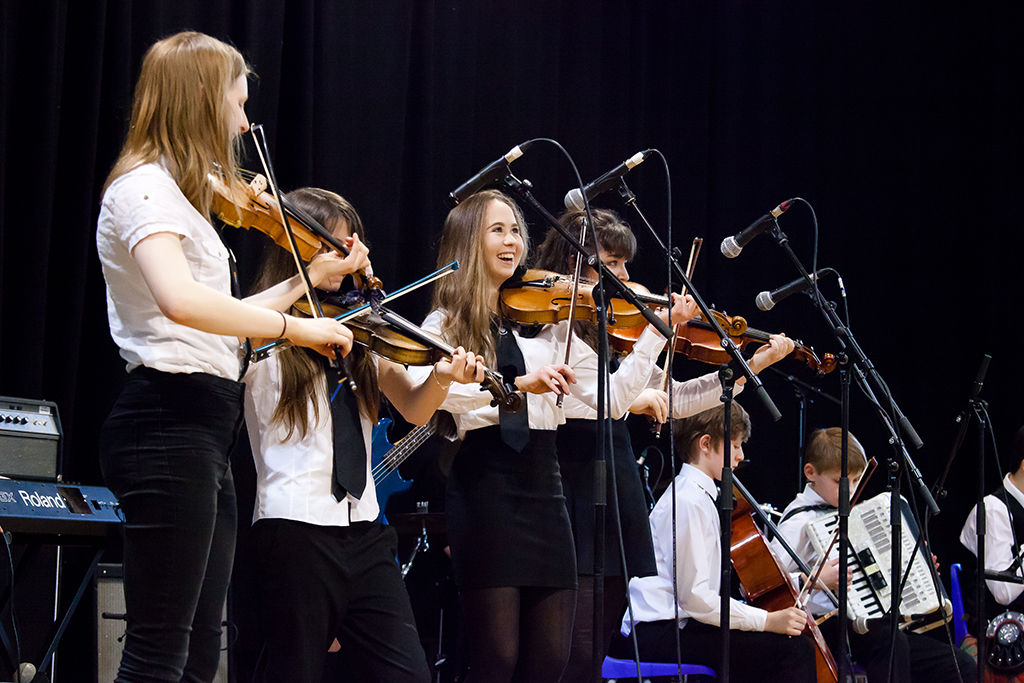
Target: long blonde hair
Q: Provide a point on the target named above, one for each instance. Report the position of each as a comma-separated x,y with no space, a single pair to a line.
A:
180,113
302,375
464,295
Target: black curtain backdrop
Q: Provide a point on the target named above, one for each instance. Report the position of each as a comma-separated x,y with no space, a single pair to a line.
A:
899,122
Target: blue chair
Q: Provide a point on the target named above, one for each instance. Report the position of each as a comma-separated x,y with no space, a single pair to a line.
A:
959,625
626,668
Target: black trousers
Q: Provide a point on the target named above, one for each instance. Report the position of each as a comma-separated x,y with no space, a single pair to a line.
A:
164,454
319,583
919,657
756,657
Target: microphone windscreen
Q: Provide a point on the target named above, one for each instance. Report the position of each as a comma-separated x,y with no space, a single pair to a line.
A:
764,301
574,200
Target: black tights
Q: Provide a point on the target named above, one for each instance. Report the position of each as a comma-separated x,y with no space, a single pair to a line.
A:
517,634
584,637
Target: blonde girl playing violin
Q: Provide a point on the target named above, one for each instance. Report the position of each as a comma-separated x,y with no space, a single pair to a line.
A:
508,530
326,566
164,448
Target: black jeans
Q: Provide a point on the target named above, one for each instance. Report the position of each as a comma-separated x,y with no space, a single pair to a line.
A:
164,454
319,583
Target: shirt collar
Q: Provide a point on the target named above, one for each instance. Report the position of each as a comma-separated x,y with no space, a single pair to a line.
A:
706,483
1013,490
812,496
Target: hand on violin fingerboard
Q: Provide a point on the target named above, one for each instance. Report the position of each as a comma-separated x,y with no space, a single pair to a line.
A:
463,367
777,348
329,268
553,378
653,403
683,308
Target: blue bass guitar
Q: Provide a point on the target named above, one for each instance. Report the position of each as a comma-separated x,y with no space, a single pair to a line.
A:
386,458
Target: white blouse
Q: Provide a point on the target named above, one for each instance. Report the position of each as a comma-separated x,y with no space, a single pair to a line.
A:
470,404
293,476
140,203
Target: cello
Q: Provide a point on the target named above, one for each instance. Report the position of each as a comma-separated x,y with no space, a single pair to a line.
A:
764,581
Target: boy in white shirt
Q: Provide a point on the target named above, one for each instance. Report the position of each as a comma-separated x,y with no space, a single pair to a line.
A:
761,643
918,657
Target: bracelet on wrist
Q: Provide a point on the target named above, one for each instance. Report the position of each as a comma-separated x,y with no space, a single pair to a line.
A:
284,327
433,373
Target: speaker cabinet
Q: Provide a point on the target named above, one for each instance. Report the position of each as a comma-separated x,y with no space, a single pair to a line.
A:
110,625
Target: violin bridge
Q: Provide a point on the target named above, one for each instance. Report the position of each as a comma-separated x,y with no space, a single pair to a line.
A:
258,185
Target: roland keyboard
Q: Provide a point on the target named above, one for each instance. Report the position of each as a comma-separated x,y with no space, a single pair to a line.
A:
57,509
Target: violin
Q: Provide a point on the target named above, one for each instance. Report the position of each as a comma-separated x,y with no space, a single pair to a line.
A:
254,207
765,581
542,297
696,339
392,337
410,345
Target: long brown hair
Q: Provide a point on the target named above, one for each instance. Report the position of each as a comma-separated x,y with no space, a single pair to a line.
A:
464,295
180,114
555,254
302,375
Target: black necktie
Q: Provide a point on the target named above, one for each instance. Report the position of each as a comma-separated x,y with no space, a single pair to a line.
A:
515,427
349,446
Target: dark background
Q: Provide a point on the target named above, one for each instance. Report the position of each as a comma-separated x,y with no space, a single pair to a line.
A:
899,122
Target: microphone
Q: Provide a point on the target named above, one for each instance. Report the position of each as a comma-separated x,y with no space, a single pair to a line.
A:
979,381
25,673
490,173
862,625
733,245
574,198
767,300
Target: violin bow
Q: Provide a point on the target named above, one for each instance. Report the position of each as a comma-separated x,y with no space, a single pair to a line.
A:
572,302
260,140
666,386
813,580
263,352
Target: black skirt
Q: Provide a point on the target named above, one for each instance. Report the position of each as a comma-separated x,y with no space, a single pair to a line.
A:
577,450
506,516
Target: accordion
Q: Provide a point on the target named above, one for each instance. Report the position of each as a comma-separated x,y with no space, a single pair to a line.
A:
869,555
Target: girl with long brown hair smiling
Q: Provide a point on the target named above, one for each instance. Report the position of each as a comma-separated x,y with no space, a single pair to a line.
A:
509,534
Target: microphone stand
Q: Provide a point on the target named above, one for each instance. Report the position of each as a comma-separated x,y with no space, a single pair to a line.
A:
521,190
725,505
805,393
727,378
979,407
854,357
727,342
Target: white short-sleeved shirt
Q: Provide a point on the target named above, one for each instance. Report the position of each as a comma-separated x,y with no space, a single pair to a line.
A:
293,476
471,407
140,203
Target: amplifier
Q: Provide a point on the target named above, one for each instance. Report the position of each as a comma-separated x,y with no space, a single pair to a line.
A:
30,439
110,625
